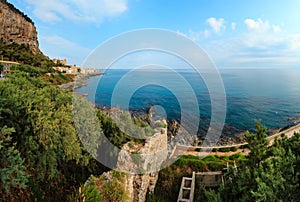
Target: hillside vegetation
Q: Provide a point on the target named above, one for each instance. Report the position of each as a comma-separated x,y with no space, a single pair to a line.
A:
266,174
22,54
41,156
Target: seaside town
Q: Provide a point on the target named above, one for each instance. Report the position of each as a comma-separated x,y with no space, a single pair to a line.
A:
61,66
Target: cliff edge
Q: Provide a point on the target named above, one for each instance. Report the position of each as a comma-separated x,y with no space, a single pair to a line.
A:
16,27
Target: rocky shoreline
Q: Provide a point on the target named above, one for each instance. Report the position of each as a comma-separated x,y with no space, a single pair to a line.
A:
182,137
79,81
173,126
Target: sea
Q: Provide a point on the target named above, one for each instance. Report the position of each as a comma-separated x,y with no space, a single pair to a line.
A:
271,96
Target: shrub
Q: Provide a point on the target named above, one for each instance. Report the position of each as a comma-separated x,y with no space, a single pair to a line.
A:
226,149
215,166
233,149
237,157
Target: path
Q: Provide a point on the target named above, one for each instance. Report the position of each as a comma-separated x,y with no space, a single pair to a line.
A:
206,151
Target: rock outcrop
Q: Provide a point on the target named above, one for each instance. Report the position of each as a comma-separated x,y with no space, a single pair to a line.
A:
143,162
16,27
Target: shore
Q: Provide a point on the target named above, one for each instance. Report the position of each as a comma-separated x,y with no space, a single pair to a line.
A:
225,141
79,81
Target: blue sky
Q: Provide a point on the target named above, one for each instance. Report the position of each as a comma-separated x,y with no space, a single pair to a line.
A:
235,33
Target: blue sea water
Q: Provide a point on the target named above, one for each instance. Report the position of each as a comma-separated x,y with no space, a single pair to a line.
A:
269,95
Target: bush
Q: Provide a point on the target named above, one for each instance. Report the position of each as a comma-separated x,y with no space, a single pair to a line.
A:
226,149
224,158
211,158
215,166
86,193
237,157
233,149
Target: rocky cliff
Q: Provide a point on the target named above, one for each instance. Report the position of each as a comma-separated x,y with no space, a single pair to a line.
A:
16,27
143,162
138,164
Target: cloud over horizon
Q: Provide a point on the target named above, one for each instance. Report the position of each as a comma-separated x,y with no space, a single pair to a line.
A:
260,44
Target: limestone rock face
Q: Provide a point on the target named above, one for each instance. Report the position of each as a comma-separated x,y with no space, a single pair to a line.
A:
143,162
16,27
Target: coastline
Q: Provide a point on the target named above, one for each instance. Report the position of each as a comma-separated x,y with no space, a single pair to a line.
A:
225,141
79,81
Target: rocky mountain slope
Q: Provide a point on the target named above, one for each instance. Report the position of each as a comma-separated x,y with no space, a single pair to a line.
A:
16,27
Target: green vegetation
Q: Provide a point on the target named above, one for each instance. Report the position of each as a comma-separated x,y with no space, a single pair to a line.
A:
102,189
41,156
112,131
22,54
42,159
14,173
58,78
134,127
113,190
86,193
167,187
51,78
226,149
32,71
267,174
160,124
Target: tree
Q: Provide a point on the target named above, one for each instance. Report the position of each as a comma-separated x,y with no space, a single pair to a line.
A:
44,141
13,175
269,173
257,144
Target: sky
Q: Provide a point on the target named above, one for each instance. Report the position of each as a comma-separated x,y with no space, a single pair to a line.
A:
234,33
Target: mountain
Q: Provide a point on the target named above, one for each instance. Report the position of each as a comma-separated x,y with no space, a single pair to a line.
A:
16,27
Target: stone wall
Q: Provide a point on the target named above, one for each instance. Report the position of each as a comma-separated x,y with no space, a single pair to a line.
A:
16,27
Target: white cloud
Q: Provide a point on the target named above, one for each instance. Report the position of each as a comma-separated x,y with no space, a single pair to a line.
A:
294,42
233,25
252,50
94,11
262,45
259,25
276,28
216,24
